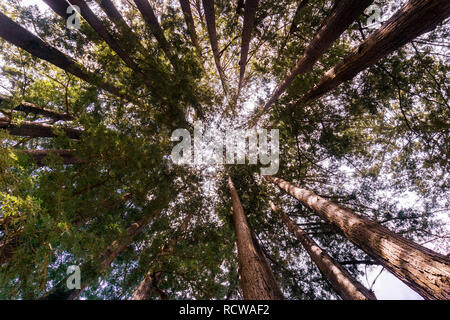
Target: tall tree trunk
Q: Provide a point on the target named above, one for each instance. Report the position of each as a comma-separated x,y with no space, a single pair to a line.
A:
256,277
18,36
36,130
249,20
150,283
423,270
152,22
342,282
103,32
35,109
414,19
210,16
187,12
342,16
39,156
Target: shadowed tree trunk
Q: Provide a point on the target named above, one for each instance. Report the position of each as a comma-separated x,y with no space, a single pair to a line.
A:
256,276
423,270
150,283
103,32
187,12
210,16
35,109
249,20
342,282
39,156
36,130
414,19
300,6
154,26
18,36
342,16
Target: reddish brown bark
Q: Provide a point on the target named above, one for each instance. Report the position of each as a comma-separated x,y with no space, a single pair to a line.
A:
342,16
256,276
36,130
342,282
423,270
18,36
249,20
210,16
414,19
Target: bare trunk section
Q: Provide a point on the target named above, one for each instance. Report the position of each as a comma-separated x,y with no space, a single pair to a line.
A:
35,109
342,16
414,19
249,21
256,277
342,282
423,270
152,22
150,283
187,12
210,16
18,36
39,156
36,130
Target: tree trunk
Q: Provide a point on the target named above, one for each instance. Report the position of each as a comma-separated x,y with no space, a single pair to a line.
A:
39,156
18,36
249,20
342,282
187,12
150,283
423,270
256,277
300,6
210,16
103,32
342,16
35,109
414,19
36,130
152,22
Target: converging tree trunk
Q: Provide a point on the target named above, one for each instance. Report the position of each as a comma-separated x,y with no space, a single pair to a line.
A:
36,130
256,276
342,282
342,16
187,12
210,16
249,20
18,36
414,19
423,270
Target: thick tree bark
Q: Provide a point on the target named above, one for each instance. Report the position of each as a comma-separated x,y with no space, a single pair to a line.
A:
423,270
342,16
39,156
414,19
249,20
342,282
187,12
18,36
35,109
210,16
103,32
36,130
256,277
